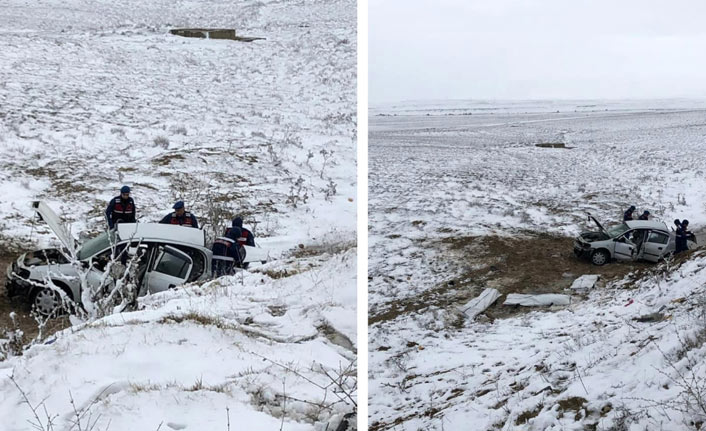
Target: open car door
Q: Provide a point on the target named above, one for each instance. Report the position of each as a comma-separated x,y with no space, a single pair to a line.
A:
170,268
624,248
656,246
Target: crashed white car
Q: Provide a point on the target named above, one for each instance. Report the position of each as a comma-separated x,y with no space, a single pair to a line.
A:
169,256
648,240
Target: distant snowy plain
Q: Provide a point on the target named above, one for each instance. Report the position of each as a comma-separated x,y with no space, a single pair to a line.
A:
468,169
94,95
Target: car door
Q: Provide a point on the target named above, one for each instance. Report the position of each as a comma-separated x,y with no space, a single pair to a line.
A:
655,246
170,268
624,247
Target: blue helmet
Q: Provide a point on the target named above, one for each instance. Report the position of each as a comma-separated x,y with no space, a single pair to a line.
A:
178,205
238,222
125,189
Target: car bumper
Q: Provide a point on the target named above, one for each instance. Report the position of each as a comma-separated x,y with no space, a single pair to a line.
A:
15,285
581,250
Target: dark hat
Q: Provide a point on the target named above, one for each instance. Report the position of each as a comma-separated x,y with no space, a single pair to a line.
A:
125,189
178,205
646,212
238,221
684,222
632,207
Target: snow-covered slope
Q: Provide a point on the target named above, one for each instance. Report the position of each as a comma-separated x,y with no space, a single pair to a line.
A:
453,196
94,95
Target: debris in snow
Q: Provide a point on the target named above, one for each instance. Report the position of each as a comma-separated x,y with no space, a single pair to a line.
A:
537,300
585,282
480,303
652,317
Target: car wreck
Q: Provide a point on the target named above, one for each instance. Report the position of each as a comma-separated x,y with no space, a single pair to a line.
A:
164,256
631,240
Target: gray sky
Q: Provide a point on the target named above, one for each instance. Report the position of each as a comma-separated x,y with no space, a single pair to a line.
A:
512,49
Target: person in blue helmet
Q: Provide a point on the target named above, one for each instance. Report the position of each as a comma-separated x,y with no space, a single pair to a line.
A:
180,216
121,209
627,215
644,216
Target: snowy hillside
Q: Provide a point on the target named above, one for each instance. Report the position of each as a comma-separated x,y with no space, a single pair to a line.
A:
94,95
460,203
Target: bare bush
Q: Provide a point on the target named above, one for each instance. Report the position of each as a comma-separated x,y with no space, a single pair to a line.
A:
161,141
329,191
13,344
298,193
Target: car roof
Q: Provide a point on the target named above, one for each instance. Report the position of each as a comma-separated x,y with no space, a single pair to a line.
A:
647,224
162,232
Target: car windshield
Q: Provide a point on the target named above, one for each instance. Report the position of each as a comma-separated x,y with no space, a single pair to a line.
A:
94,245
617,230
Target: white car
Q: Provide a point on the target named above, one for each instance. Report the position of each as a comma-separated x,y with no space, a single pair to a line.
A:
171,255
648,240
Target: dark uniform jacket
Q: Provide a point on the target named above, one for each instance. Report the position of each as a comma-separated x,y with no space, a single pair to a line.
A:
682,235
245,238
187,219
120,211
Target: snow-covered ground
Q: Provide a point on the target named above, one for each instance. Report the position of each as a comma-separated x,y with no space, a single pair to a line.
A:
94,95
438,175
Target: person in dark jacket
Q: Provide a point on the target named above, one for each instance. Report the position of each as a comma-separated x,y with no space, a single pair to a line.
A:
644,216
180,217
683,235
226,253
246,237
121,209
627,215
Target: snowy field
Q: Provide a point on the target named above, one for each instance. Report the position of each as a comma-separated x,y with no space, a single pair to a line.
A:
445,179
94,95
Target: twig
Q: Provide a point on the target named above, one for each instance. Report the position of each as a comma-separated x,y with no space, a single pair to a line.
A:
284,404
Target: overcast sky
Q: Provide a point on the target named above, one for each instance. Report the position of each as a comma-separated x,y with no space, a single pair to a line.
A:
512,49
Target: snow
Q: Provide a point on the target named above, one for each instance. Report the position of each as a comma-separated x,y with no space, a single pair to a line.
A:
586,365
95,95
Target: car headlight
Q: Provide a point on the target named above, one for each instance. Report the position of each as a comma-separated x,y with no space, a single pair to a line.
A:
18,272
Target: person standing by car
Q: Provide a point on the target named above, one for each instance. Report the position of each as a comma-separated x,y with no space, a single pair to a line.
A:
627,215
644,216
683,235
246,237
121,209
180,216
226,253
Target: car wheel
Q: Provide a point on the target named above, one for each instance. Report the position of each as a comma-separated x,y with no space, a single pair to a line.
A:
46,302
600,257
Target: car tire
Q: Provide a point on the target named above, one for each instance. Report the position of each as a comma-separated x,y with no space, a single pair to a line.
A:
47,302
600,257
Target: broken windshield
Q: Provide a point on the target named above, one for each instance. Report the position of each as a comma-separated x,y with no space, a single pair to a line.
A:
95,245
616,231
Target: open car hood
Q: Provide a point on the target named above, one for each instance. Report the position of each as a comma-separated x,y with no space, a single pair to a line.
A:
56,225
600,226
